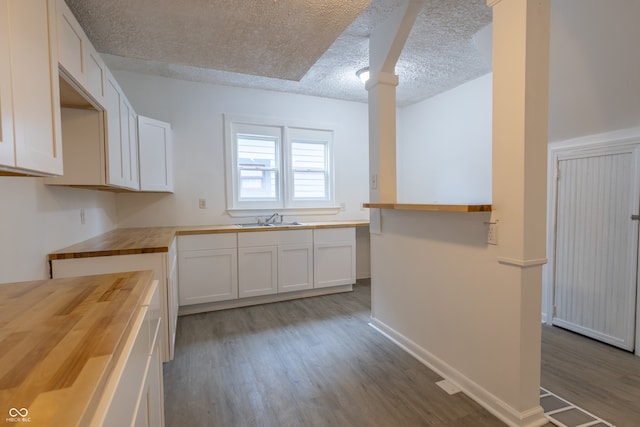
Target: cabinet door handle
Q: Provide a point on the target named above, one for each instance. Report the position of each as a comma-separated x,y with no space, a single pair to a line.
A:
635,217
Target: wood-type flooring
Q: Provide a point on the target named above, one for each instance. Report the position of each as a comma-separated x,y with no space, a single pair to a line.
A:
597,377
316,362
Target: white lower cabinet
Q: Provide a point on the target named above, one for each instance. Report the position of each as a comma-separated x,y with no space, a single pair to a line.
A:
214,268
208,268
257,271
133,394
164,267
295,267
334,262
275,262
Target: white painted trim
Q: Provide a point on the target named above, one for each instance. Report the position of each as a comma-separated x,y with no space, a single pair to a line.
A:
252,213
284,196
523,263
533,417
246,302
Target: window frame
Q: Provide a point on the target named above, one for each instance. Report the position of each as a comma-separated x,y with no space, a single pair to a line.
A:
323,137
289,133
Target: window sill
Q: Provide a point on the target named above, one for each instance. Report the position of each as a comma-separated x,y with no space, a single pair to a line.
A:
243,213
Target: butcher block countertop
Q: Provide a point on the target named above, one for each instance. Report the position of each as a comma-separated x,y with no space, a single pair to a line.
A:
145,240
60,341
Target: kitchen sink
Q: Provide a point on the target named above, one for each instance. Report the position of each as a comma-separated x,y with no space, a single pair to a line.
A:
276,225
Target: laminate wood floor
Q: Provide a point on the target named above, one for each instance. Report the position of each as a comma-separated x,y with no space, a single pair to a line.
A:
599,378
308,362
316,362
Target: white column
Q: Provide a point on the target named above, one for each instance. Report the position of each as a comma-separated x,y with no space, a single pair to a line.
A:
520,110
385,46
382,137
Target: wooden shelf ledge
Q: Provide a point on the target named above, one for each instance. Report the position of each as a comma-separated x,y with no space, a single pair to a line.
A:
420,207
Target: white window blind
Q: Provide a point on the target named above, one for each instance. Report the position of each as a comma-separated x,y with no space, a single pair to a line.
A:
257,162
309,167
274,166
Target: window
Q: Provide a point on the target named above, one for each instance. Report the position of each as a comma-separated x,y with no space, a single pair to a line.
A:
271,166
257,167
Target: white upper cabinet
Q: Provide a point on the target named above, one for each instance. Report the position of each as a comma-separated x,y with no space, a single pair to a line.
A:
122,140
129,144
156,155
101,147
30,136
78,60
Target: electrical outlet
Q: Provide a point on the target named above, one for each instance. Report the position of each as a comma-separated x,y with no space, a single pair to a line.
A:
492,237
343,207
374,181
202,203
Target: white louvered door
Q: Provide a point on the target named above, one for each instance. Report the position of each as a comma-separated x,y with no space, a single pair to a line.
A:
596,250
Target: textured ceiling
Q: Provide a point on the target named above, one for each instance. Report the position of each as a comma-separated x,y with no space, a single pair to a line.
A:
311,47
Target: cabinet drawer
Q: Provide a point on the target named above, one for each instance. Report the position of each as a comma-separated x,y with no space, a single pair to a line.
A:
199,242
289,237
330,235
270,238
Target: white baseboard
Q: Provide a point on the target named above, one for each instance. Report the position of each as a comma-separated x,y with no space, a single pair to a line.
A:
265,299
533,417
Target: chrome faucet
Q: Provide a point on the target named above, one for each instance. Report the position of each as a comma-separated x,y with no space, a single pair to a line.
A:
272,219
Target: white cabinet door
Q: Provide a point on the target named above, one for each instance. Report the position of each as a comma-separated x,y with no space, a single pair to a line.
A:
96,74
133,177
257,271
7,148
35,94
334,262
78,60
172,296
156,155
114,154
207,275
207,268
71,44
122,145
155,394
295,267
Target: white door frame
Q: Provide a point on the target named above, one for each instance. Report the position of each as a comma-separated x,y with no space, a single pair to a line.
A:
580,146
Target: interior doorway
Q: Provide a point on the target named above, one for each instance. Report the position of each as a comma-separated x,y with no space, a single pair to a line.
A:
595,242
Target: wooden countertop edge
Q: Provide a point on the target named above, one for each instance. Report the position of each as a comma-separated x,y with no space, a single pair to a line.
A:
110,252
235,229
71,253
101,386
92,378
430,207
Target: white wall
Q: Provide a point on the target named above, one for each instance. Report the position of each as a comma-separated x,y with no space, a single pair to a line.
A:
444,149
196,110
36,219
438,291
594,84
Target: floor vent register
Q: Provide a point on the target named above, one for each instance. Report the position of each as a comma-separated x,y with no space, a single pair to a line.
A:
565,414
